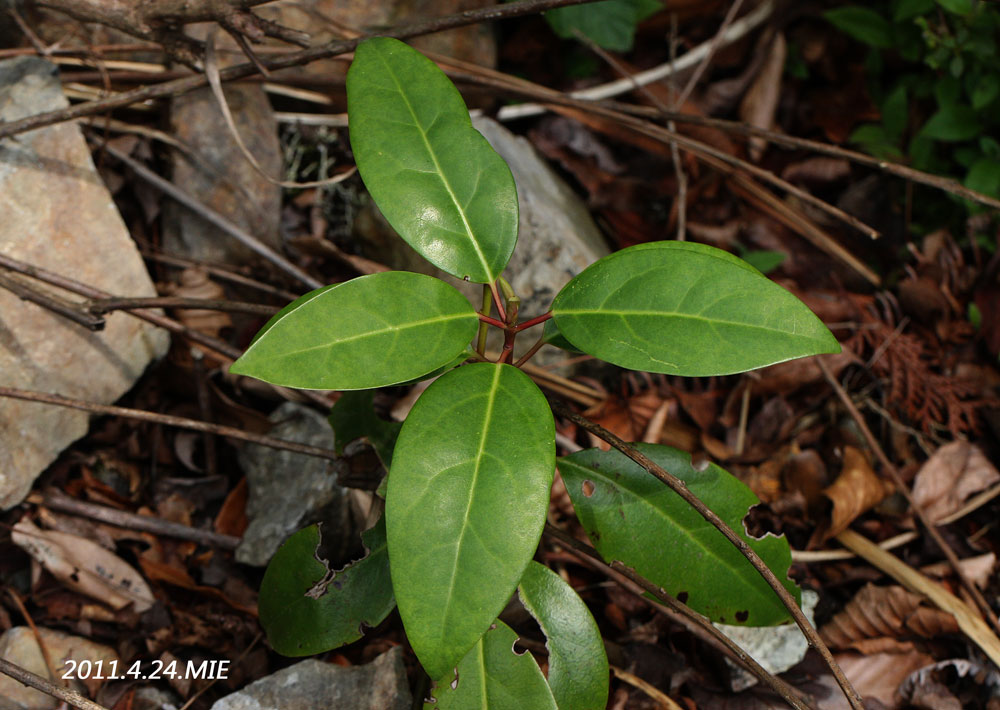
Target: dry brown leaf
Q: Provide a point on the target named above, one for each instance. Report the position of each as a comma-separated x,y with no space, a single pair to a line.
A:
952,475
786,377
84,566
856,489
879,613
817,170
195,283
178,577
761,100
879,675
979,569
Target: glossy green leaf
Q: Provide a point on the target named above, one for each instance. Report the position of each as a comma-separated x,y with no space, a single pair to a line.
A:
635,518
435,178
306,608
953,122
552,336
372,331
466,501
863,24
578,665
610,24
492,676
353,417
685,309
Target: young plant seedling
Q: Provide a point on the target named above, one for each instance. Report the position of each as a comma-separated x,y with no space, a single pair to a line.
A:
471,467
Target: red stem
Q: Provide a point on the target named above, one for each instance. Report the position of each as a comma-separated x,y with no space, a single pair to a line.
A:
534,321
491,321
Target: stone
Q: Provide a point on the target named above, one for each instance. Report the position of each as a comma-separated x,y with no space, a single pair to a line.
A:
775,648
19,646
307,685
57,214
288,491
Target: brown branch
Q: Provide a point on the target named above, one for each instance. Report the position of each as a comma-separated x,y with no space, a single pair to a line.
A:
57,500
291,59
26,677
897,479
214,344
72,311
680,488
180,262
696,622
168,420
106,305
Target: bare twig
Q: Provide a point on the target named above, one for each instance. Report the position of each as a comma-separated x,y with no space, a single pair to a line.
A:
680,488
32,680
180,422
291,59
106,305
696,622
57,500
72,311
713,47
897,479
222,273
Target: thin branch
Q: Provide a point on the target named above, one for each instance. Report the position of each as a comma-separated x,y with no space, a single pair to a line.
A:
57,500
713,47
222,273
291,59
680,488
168,420
26,677
106,305
698,622
66,309
897,479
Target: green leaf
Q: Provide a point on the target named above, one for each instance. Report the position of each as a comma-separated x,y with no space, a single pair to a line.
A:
984,177
552,336
895,113
466,501
953,122
905,9
578,665
862,24
635,518
682,308
957,7
435,178
610,24
492,676
985,91
372,331
305,608
353,417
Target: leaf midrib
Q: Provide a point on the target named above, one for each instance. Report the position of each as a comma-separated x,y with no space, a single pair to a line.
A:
490,402
592,473
672,314
380,331
440,172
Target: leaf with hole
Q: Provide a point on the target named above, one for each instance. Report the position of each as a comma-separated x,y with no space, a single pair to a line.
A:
578,665
466,500
306,608
372,331
635,518
353,417
493,676
682,308
438,182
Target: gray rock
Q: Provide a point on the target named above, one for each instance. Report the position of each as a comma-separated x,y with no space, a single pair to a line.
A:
19,646
288,491
308,685
775,648
222,178
56,213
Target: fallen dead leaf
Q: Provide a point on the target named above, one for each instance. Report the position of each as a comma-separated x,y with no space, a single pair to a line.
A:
855,490
84,566
879,675
761,100
818,170
978,569
195,283
951,476
884,614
